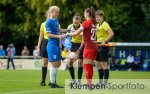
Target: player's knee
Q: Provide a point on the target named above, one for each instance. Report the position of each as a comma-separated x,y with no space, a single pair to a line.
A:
70,64
105,65
45,64
80,63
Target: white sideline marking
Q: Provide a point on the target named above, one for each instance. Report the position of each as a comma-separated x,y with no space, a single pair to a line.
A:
20,92
17,80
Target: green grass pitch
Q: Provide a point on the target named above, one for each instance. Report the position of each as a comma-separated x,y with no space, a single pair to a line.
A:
27,81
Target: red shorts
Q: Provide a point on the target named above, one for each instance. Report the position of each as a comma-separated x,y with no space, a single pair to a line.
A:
90,53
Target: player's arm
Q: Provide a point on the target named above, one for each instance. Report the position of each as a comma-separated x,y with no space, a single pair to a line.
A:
64,30
40,40
81,47
48,30
111,34
76,32
54,36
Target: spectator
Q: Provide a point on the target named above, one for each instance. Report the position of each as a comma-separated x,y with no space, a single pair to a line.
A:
2,51
11,51
137,61
35,52
25,51
130,62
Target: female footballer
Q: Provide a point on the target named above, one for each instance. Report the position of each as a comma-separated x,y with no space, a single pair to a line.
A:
53,47
88,28
76,42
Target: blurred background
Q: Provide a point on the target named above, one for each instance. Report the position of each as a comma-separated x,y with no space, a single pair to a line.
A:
20,20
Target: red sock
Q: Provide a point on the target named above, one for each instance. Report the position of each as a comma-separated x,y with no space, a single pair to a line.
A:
89,73
91,66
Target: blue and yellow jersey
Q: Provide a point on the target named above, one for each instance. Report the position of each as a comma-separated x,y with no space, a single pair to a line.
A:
52,26
75,39
43,29
102,31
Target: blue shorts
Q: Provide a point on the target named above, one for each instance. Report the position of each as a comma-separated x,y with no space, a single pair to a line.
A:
54,53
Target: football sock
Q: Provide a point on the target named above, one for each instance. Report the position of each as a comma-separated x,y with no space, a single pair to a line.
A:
71,70
53,72
106,75
101,74
89,73
80,71
44,72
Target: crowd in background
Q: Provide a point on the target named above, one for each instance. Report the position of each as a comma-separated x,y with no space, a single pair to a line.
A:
25,51
131,63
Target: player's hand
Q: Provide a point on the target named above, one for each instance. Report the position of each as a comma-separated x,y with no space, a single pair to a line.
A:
38,50
73,30
62,36
68,34
77,52
103,44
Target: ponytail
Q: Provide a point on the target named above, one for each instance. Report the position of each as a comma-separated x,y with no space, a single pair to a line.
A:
91,12
93,15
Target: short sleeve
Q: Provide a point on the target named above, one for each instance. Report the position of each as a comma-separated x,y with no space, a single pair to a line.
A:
42,27
69,27
48,26
106,26
84,24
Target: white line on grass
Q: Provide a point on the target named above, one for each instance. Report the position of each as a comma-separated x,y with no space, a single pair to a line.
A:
21,92
18,80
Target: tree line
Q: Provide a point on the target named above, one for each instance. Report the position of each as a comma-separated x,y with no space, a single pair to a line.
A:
20,20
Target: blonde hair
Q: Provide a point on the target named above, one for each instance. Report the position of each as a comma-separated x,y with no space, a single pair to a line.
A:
47,14
52,8
100,13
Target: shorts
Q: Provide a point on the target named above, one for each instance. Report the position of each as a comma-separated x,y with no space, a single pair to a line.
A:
75,47
54,53
103,52
44,49
90,53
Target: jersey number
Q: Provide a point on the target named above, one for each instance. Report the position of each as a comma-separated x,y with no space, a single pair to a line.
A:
93,32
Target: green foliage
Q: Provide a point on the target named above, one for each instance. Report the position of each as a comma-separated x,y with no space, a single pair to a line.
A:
20,20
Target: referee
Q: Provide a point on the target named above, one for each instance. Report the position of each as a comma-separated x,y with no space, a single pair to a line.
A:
104,34
42,49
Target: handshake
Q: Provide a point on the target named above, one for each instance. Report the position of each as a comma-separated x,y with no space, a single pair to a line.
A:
66,35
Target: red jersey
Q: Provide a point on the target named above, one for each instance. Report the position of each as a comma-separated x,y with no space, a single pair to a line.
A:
89,34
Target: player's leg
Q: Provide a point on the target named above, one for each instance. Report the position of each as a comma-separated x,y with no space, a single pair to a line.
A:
53,73
80,65
74,48
12,62
100,72
89,57
80,70
44,71
8,60
106,72
104,62
71,70
99,67
44,61
88,66
54,56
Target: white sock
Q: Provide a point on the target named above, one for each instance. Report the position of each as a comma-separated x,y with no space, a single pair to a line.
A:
53,72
